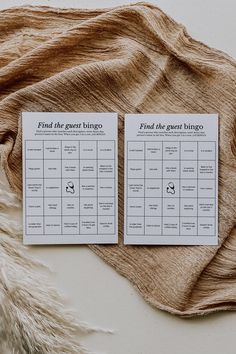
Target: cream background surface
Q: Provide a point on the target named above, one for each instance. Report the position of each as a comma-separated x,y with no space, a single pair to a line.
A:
98,294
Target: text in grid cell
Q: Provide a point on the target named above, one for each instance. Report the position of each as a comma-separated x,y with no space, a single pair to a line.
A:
206,188
34,149
52,149
170,207
153,150
188,207
188,169
34,187
70,150
135,207
189,150
206,150
135,187
106,150
106,169
52,168
188,226
136,169
152,226
88,149
34,225
171,150
106,225
135,150
153,169
153,188
34,206
135,225
153,206
70,168
34,168
88,206
70,225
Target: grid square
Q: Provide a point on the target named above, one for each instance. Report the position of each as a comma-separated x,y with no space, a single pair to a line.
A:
106,150
188,169
171,150
106,169
135,207
106,206
88,150
52,187
135,225
70,168
153,150
52,225
153,169
189,207
106,188
206,169
170,188
153,188
70,150
152,226
170,207
52,168
34,225
70,206
136,169
206,207
189,150
34,168
135,188
88,206
70,187
88,187
188,226
34,187
206,188
171,169
106,225
206,150
88,168
206,226
34,149
70,225
189,188
153,206
170,226
52,149
88,225
52,206
34,206
135,150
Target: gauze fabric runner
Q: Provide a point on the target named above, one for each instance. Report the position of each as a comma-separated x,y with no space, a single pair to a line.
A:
129,59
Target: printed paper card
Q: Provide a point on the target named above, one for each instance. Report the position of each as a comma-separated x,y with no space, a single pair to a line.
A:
69,178
171,179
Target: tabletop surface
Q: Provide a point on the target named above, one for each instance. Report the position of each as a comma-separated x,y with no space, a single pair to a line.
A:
99,295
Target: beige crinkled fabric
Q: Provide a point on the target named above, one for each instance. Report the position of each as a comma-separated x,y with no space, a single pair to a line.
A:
129,59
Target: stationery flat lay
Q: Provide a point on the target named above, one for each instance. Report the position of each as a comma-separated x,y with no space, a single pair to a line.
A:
70,178
117,130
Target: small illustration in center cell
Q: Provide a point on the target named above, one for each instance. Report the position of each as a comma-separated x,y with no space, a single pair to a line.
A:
70,187
170,188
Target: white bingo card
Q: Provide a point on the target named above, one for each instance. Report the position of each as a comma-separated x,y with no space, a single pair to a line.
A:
171,179
69,178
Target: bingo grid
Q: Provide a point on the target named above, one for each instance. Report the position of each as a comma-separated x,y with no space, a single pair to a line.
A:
70,187
171,188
